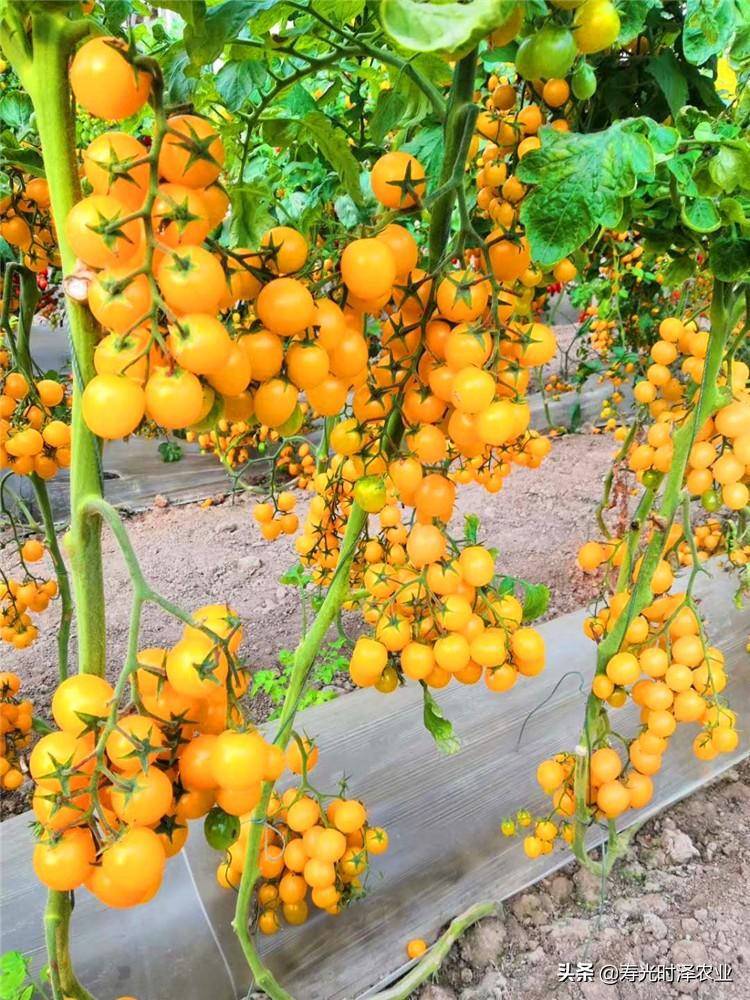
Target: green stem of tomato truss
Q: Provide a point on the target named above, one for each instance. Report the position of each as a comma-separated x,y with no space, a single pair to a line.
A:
459,103
40,58
710,399
29,297
47,84
61,571
57,935
307,651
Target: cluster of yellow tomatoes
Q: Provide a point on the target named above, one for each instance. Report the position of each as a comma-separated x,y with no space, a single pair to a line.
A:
181,752
169,757
27,224
277,518
311,846
438,616
15,730
19,598
713,537
668,670
719,461
34,425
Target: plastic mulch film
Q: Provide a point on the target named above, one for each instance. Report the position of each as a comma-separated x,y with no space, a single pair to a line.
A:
442,814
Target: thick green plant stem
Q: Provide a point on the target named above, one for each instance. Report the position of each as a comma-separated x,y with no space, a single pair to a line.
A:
41,61
712,397
461,100
57,936
436,955
47,84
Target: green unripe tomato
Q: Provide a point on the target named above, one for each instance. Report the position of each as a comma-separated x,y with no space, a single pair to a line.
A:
292,424
652,478
525,59
554,51
711,501
583,81
221,830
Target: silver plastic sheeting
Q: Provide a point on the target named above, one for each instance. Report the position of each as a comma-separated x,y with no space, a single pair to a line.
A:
442,814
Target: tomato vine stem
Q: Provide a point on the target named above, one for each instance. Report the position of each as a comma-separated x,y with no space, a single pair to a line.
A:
711,397
41,62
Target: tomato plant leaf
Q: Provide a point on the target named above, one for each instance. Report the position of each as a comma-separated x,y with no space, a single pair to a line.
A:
666,70
739,54
389,110
700,215
206,36
189,10
678,270
471,529
238,79
580,183
438,726
442,27
633,14
730,168
535,600
333,145
250,215
708,29
339,11
346,211
170,451
427,146
16,110
14,968
729,258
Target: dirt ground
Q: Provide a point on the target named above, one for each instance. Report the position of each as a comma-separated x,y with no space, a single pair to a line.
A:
199,555
680,897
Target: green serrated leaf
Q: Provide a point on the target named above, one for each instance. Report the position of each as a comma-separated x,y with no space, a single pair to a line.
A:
700,215
238,79
346,211
471,529
16,109
576,417
189,10
678,270
438,726
666,70
389,110
427,146
14,968
730,168
633,14
732,211
250,215
442,26
170,451
729,258
708,29
331,142
535,601
580,183
204,38
339,11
